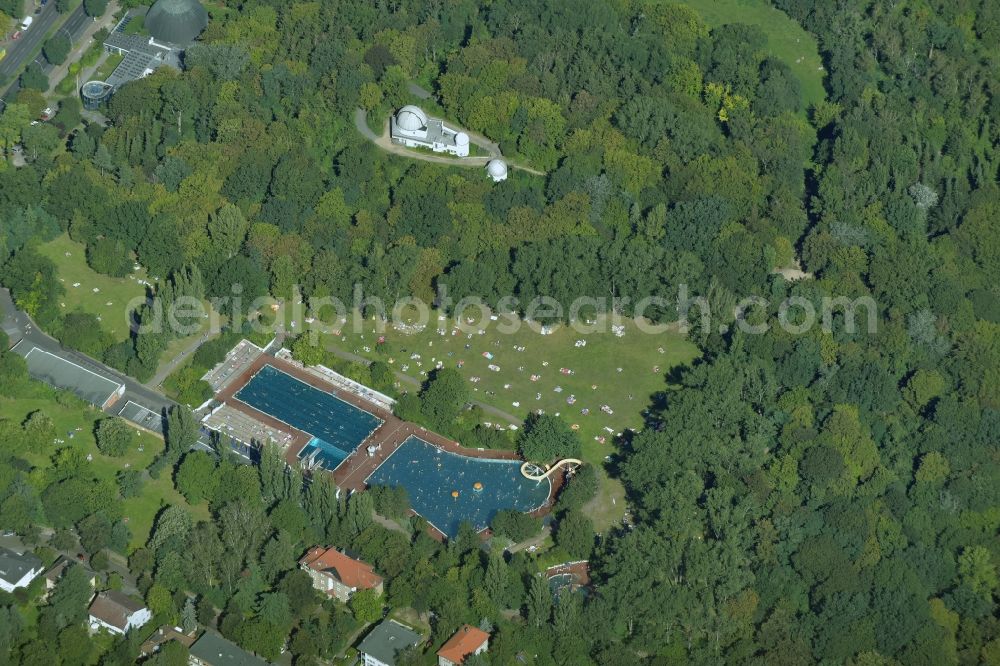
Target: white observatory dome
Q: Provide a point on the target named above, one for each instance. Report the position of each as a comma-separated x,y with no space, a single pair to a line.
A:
497,170
461,139
411,118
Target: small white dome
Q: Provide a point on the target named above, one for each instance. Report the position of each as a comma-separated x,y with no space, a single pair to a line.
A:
411,118
497,169
461,139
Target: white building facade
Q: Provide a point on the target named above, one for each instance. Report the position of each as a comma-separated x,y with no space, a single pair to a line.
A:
413,128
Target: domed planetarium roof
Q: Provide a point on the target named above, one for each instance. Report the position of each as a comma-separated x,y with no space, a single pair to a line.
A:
176,21
410,118
497,169
461,139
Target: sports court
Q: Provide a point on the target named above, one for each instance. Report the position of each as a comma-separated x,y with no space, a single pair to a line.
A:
447,488
337,427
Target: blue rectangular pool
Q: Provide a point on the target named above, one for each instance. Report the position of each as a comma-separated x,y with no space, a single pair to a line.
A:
432,476
337,427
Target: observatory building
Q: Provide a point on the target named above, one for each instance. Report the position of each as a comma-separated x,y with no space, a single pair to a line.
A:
176,21
169,26
411,127
497,169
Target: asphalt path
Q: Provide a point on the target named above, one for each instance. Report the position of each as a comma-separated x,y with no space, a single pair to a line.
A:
20,50
24,335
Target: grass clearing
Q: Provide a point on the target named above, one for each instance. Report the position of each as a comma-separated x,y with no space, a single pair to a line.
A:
786,39
70,259
74,422
601,388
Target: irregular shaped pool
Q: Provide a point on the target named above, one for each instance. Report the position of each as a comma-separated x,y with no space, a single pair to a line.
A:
443,486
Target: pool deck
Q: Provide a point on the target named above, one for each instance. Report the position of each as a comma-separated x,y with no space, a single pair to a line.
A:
358,466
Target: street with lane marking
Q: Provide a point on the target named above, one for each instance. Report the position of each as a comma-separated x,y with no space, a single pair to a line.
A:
20,50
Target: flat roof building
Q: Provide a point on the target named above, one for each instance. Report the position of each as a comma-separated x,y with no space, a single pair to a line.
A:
57,371
169,27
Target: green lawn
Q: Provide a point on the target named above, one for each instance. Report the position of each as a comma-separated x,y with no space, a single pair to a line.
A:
786,39
110,301
73,416
621,373
108,66
112,296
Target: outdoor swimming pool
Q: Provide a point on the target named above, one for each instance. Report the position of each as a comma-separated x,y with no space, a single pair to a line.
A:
431,476
337,427
322,453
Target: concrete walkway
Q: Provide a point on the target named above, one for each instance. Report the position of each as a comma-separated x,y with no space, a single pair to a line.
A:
190,347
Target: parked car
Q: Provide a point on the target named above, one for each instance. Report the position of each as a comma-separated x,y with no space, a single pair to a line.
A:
26,23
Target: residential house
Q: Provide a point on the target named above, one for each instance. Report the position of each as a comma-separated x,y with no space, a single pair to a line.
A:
165,634
466,641
211,649
58,568
338,574
382,645
117,612
18,569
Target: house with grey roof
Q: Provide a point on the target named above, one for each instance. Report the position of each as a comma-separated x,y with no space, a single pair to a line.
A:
18,569
211,649
382,645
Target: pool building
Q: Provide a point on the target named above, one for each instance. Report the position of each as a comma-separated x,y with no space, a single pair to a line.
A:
322,426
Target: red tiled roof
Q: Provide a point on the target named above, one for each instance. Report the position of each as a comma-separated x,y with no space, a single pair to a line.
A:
350,572
465,641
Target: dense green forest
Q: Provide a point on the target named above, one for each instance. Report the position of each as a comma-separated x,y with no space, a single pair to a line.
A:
830,496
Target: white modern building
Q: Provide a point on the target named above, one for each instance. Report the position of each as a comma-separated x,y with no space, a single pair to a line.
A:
17,569
411,127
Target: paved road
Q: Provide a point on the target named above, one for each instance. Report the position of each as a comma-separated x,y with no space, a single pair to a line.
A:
21,329
17,54
20,49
